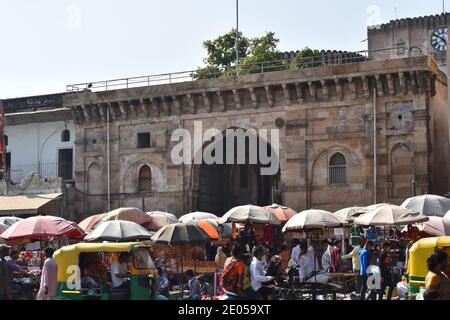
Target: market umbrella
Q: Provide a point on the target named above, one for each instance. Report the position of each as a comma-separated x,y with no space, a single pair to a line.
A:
90,223
180,234
197,216
3,227
281,212
207,227
349,214
127,214
429,205
388,215
435,227
214,228
310,220
160,219
9,221
42,227
119,231
250,213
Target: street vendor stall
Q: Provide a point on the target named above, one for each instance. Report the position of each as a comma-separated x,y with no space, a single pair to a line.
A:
313,223
181,236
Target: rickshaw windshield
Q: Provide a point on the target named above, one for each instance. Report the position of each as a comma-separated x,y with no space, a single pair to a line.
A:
142,259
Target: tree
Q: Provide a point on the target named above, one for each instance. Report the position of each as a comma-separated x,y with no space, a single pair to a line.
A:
308,58
222,51
263,55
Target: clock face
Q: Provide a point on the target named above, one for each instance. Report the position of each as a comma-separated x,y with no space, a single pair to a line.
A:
439,39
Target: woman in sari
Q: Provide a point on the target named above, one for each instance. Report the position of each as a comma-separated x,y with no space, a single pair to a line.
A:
231,278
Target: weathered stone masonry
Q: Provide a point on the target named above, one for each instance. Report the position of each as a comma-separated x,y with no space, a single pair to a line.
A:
325,110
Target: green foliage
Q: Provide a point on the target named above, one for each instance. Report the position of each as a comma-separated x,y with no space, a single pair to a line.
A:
257,55
261,51
222,51
308,58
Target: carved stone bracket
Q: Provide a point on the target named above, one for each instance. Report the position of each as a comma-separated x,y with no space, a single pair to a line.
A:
379,85
253,97
191,103
287,96
269,96
402,81
390,82
325,92
237,99
312,90
207,101
352,85
299,89
366,86
221,102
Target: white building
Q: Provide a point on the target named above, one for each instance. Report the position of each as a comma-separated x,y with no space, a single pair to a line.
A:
39,137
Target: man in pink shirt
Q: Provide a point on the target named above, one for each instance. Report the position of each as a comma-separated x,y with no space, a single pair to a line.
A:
47,291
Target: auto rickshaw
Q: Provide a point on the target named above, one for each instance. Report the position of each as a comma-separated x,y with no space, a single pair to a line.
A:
144,280
417,268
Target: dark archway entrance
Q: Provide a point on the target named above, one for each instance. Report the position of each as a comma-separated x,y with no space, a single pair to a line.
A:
224,186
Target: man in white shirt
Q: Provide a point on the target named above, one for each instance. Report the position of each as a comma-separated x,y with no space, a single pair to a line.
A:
258,276
119,272
295,255
326,257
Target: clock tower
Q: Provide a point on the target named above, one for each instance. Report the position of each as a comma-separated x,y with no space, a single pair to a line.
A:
411,37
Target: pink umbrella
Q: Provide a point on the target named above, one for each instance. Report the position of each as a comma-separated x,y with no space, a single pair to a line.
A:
42,227
281,212
160,219
90,223
436,227
128,214
3,228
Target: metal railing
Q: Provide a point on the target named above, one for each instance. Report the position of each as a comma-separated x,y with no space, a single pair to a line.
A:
325,59
45,170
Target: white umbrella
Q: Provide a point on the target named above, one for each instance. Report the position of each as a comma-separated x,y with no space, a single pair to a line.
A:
119,231
436,227
9,221
250,213
429,205
388,215
3,228
349,214
313,220
197,216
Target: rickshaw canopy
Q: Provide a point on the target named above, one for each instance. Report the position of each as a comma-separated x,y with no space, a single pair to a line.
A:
69,255
418,255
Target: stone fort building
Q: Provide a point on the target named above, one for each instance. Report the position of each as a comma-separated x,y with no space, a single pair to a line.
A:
325,118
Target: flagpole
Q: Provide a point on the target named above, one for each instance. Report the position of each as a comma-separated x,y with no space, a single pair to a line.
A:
237,38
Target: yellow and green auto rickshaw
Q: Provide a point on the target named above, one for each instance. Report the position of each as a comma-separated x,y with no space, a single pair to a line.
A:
417,260
71,260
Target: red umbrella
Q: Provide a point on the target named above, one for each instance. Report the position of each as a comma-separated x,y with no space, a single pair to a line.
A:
42,227
282,213
90,222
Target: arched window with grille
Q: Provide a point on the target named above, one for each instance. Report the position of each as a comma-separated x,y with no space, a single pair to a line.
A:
145,179
338,169
65,135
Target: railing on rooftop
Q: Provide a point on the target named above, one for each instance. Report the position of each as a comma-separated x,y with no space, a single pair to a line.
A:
45,170
326,59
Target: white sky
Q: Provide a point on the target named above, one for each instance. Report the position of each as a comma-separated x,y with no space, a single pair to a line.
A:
47,44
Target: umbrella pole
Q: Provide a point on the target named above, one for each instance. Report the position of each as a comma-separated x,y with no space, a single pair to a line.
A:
182,272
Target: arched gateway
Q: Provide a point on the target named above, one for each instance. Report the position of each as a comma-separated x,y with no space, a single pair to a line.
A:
220,187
